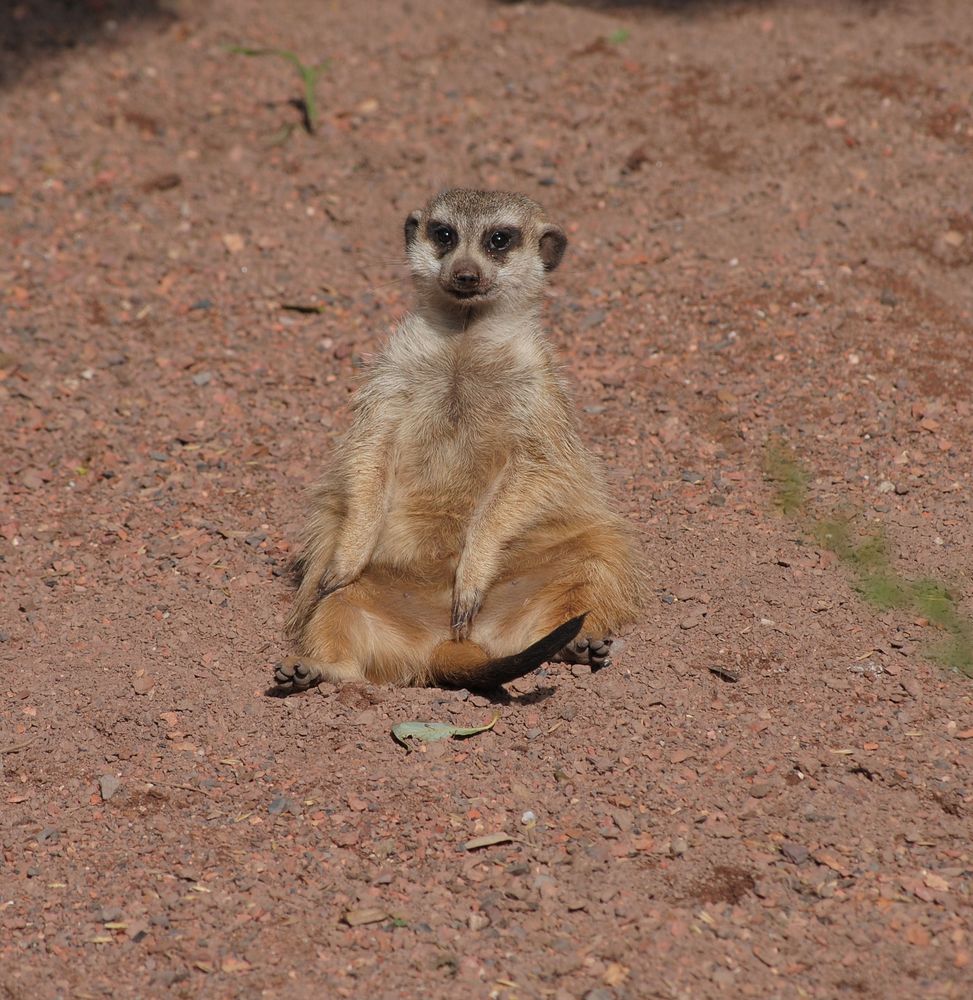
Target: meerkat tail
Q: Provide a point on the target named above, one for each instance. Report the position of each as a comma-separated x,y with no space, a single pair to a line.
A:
488,675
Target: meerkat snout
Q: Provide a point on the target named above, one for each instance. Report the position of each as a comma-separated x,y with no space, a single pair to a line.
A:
477,251
465,278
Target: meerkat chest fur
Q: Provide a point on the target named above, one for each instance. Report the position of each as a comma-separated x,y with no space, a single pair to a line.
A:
459,406
461,397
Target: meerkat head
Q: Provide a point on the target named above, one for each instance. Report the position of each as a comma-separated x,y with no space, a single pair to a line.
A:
477,250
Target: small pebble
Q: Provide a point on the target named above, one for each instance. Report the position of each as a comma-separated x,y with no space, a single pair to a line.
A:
796,853
109,785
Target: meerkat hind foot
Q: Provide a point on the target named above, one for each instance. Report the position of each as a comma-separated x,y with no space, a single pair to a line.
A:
591,650
297,673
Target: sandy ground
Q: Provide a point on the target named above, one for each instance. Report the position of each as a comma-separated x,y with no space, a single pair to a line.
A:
771,221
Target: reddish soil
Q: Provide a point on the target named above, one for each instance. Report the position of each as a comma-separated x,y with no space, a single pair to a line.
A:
771,223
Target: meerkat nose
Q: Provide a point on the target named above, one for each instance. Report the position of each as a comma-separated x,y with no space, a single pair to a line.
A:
466,277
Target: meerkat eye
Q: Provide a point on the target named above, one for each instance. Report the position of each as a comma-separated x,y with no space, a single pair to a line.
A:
443,236
500,240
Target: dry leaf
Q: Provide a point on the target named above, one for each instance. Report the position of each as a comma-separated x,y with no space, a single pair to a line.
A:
487,840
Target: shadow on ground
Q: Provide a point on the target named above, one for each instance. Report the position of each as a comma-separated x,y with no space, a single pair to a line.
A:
35,30
691,7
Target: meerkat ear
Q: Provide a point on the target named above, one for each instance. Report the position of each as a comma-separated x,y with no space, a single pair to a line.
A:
411,227
552,244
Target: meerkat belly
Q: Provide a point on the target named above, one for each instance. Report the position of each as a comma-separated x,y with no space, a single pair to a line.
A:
442,469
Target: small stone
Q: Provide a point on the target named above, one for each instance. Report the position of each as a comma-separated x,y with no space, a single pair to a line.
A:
109,785
591,319
477,921
202,378
689,476
953,238
142,683
760,789
795,853
886,486
364,915
283,804
678,846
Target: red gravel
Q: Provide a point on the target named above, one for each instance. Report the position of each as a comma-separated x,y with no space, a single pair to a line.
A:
771,228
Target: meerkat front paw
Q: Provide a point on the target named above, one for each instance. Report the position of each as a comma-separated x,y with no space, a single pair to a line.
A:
294,673
465,606
595,651
335,578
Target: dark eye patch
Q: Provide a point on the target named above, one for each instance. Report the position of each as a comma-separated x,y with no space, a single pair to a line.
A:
502,239
442,236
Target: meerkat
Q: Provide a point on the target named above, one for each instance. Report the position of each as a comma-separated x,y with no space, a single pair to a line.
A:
463,535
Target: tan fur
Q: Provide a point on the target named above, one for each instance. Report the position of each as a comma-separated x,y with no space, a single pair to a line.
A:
462,519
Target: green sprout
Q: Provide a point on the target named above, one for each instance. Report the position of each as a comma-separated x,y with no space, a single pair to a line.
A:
307,105
869,560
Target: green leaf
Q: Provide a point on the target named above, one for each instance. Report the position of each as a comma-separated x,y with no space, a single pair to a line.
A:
430,732
619,35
